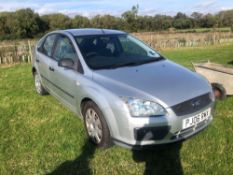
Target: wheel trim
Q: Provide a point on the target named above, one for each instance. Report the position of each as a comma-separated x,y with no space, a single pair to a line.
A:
93,125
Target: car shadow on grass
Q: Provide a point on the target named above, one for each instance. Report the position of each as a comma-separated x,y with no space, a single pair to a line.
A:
161,160
79,166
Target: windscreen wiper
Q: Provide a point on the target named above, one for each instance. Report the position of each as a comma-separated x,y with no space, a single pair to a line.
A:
114,66
138,63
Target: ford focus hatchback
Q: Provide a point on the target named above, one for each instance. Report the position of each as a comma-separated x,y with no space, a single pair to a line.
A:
125,92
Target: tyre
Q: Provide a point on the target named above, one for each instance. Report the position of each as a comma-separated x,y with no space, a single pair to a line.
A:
38,86
95,125
219,91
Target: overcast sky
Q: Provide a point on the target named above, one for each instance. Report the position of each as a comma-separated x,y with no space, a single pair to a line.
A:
90,8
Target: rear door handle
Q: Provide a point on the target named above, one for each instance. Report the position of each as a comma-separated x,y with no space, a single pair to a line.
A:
51,69
37,60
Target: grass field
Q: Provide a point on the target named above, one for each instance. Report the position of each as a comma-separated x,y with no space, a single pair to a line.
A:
39,136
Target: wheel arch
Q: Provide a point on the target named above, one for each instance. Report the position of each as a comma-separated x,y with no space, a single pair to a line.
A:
83,101
104,107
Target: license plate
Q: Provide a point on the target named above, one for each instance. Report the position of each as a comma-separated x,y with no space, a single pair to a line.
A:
192,121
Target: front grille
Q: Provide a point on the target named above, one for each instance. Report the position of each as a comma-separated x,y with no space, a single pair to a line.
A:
193,105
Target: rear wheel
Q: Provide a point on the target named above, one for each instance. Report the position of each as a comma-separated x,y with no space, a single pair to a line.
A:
219,91
39,87
96,126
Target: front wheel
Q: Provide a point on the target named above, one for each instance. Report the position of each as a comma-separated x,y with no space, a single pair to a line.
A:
96,126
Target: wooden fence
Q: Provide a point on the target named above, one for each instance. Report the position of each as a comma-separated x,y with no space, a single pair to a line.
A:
15,53
22,51
164,40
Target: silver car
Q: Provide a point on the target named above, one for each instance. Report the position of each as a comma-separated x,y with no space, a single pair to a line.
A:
125,92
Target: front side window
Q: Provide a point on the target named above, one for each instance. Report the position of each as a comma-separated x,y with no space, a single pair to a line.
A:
112,51
47,47
64,49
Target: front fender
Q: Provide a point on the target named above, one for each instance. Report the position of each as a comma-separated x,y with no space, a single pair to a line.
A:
96,95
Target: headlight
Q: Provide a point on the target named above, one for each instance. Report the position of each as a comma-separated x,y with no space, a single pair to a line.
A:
143,108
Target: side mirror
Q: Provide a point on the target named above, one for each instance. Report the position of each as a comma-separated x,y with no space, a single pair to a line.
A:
66,62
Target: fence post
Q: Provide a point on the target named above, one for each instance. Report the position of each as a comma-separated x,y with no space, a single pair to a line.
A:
15,53
1,60
23,58
30,51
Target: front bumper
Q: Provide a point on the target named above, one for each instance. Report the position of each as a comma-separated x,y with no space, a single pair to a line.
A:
147,132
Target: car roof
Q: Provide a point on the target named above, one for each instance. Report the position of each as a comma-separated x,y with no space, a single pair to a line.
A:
93,31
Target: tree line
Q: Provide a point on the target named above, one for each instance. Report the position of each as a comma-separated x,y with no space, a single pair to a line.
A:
25,23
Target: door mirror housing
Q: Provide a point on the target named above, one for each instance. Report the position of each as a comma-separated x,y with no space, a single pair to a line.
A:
66,62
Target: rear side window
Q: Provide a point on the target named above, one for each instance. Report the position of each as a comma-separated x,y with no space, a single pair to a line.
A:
47,47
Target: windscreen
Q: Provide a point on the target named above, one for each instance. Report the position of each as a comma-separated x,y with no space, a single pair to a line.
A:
113,51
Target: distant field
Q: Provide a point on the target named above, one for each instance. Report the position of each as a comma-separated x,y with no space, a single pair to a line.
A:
203,30
222,54
39,136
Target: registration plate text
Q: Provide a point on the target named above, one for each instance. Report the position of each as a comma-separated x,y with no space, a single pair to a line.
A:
192,121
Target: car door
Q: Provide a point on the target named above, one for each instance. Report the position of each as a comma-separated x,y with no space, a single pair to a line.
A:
65,79
43,58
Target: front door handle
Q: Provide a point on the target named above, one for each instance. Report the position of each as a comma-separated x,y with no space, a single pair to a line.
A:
37,60
51,69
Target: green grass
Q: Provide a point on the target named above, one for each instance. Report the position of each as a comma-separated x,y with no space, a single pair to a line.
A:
222,54
40,136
